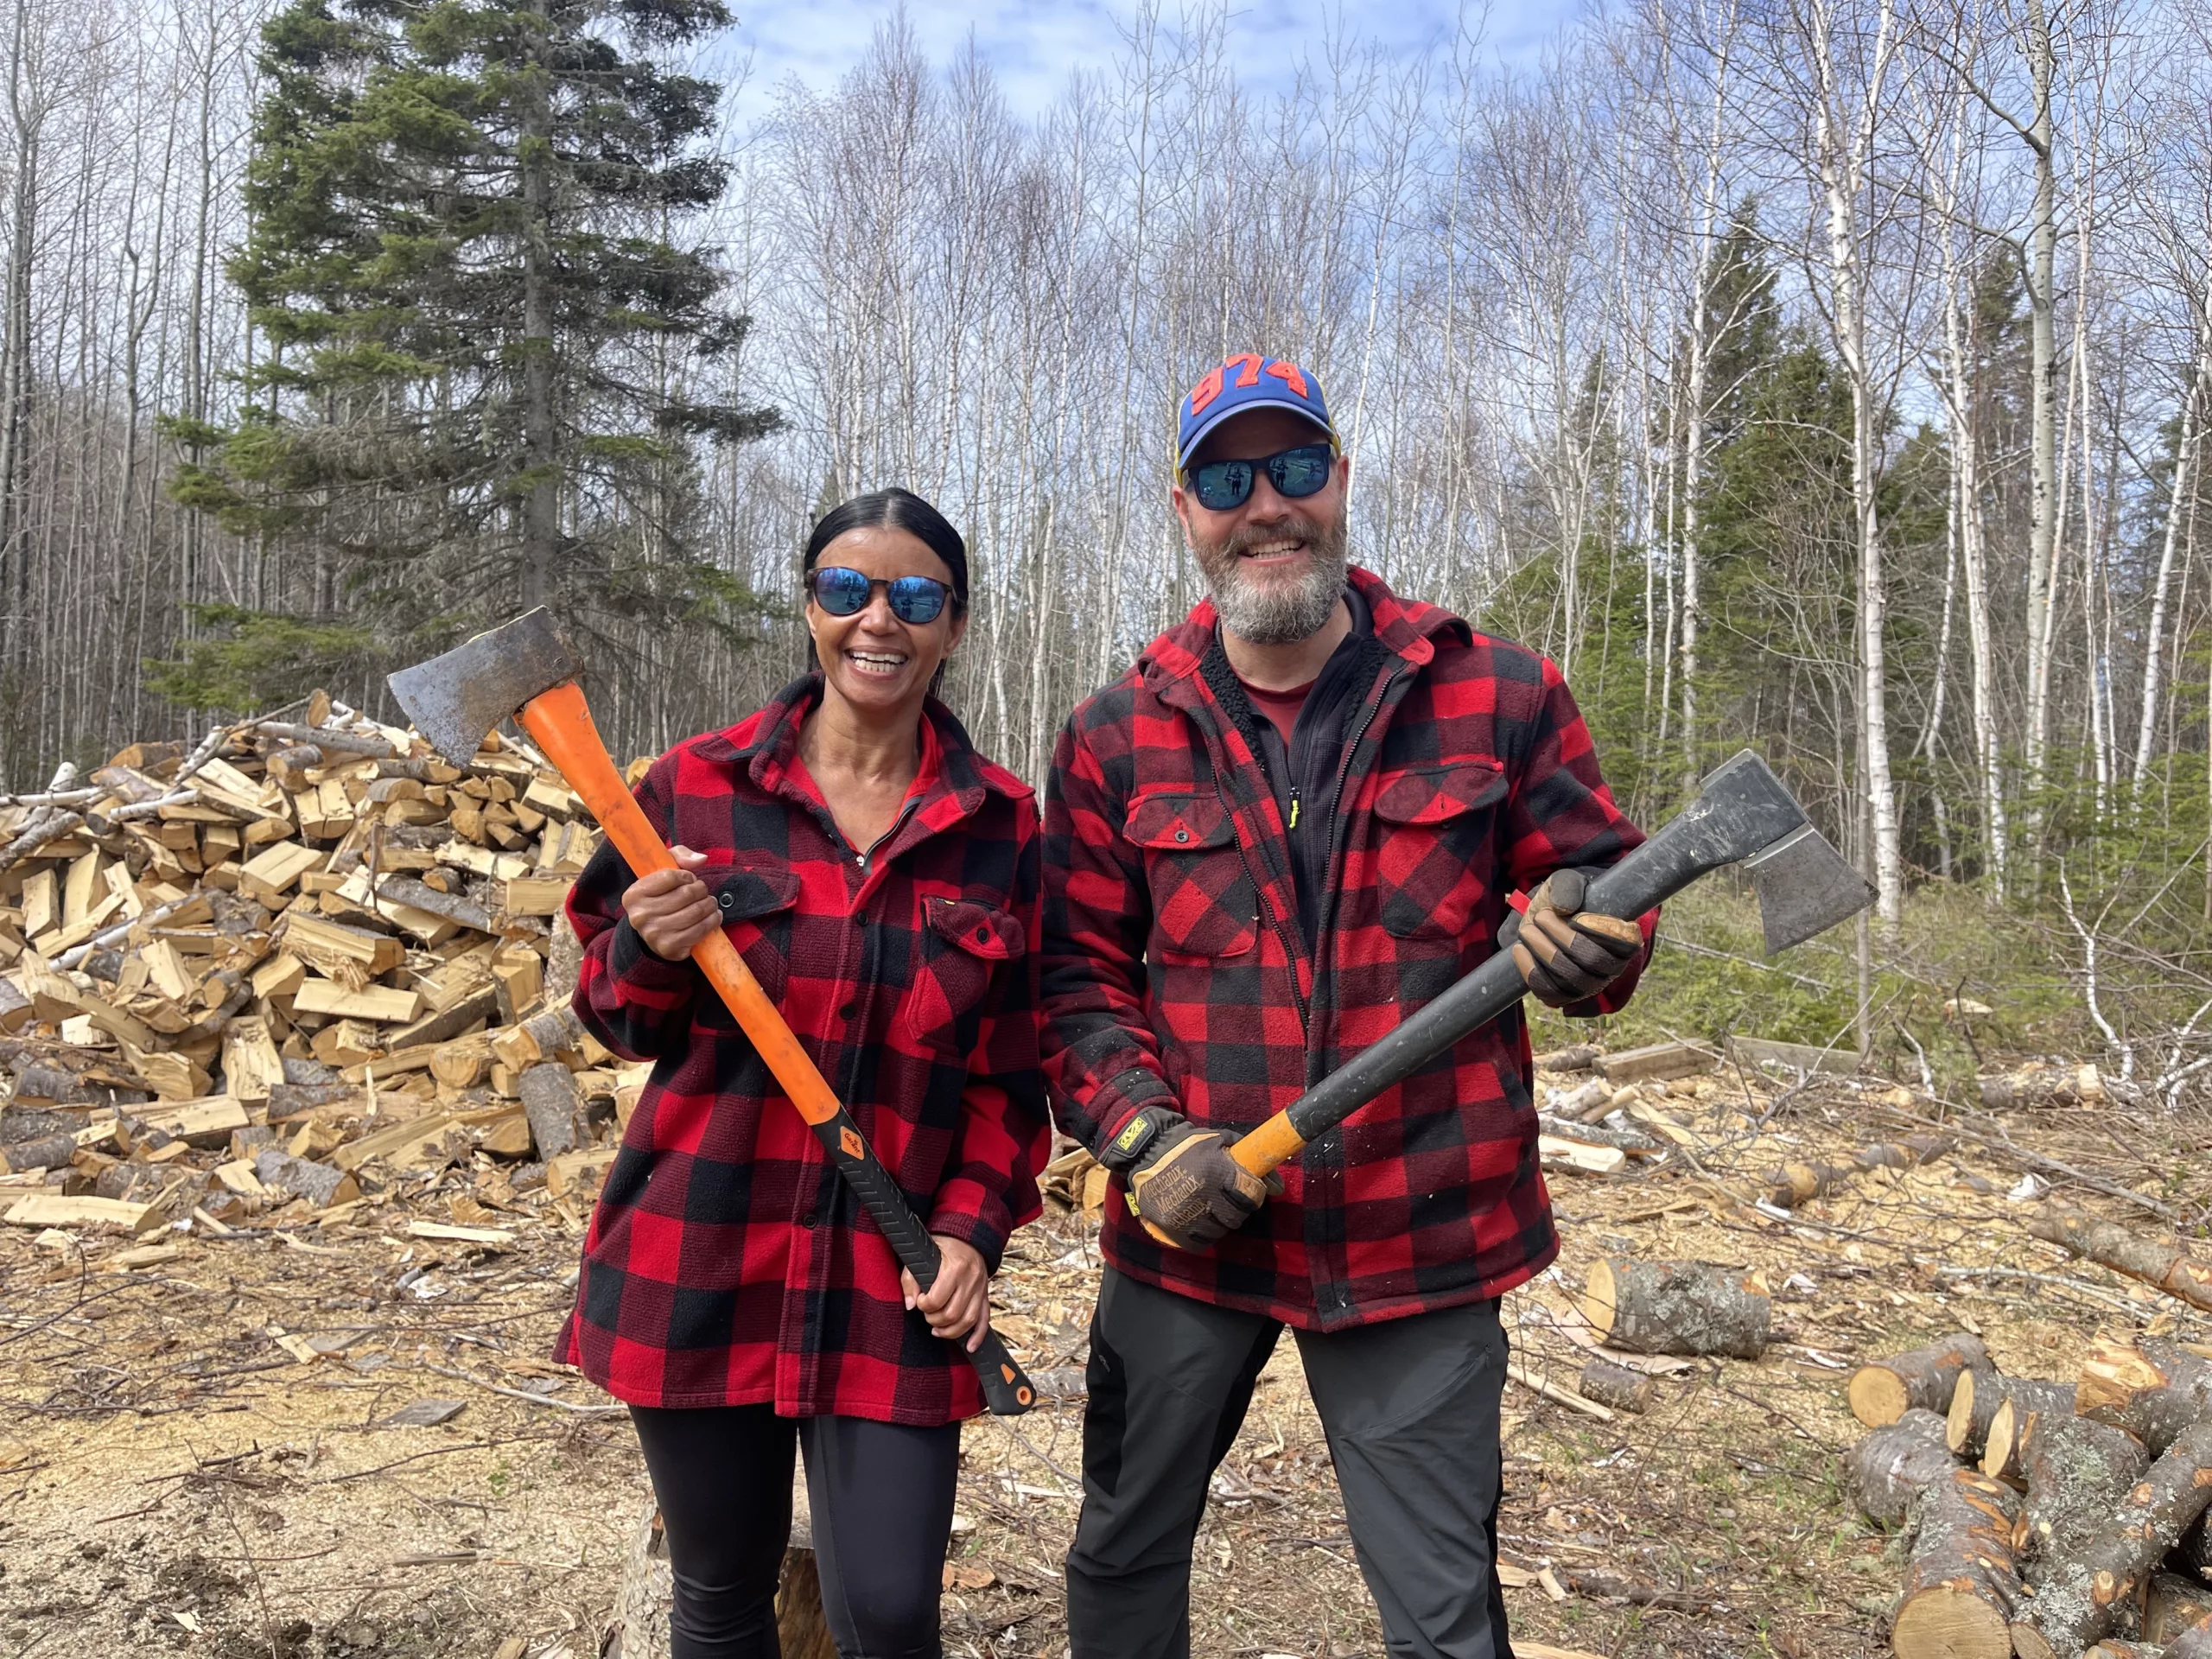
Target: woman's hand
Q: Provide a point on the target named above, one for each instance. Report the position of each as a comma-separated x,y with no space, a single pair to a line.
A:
671,910
959,1303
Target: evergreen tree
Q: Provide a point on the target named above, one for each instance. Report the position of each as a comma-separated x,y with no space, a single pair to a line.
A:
488,360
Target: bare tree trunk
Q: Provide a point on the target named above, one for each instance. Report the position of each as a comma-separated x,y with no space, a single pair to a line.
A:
2177,499
541,516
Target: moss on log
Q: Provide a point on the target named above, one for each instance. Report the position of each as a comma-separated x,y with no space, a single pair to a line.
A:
1677,1307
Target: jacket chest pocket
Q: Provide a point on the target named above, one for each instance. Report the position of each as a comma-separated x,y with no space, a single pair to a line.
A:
1202,902
1434,850
756,908
962,946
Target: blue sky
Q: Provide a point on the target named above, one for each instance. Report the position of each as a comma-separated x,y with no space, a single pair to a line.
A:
1033,44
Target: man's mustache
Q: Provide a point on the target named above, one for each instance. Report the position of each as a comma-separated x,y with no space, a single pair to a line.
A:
1295,526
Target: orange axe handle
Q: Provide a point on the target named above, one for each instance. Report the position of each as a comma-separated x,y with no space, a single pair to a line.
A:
560,721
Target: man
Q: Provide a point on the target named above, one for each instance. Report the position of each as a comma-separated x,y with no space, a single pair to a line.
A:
1294,820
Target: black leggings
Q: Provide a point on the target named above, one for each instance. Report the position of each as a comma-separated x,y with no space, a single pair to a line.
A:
881,1497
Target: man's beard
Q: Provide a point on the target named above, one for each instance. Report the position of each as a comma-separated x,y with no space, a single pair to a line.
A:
1271,613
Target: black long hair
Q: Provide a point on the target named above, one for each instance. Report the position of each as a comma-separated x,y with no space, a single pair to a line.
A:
893,508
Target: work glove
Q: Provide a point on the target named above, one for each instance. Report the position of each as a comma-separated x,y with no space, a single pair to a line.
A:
1566,956
1182,1183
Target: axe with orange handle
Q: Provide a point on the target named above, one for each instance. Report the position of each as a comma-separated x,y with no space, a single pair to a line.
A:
1744,813
526,669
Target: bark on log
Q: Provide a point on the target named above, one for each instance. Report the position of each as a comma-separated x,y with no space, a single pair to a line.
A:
551,1103
1979,1393
539,1037
321,1184
2155,1390
640,1624
1792,1184
2077,1471
2044,1085
1886,1472
1676,1308
2112,1648
1575,1057
1960,1588
1921,1379
2194,1643
2000,1454
1616,1386
2173,1603
2084,1591
464,912
343,742
2159,1262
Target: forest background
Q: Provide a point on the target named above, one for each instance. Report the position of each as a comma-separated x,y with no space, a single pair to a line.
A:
1828,376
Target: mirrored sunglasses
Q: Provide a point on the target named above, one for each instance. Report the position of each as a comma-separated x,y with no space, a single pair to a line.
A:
844,592
1295,474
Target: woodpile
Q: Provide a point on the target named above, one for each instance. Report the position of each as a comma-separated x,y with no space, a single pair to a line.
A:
229,979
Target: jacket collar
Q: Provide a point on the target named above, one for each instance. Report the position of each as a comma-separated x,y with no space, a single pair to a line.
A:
764,744
1407,628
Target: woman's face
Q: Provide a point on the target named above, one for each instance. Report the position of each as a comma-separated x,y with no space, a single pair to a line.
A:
875,662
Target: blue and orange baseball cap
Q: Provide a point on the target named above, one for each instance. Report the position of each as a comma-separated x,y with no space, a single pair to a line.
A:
1244,382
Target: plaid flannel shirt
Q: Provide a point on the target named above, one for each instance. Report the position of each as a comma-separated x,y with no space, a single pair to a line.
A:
1175,970
726,1263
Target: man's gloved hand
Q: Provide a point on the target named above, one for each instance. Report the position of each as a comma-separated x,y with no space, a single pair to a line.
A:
1567,957
1183,1183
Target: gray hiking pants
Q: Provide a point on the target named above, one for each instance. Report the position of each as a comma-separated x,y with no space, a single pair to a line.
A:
1411,1408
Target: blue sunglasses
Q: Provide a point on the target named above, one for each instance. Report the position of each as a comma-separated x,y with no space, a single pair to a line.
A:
844,592
1296,474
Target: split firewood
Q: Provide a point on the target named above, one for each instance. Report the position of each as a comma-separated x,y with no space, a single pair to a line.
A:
2194,1643
1677,1307
540,1038
321,1184
2159,1262
2155,1390
551,1103
1962,1591
2172,1603
2076,1470
1597,1133
1979,1393
1615,1386
1925,1378
1886,1472
2084,1589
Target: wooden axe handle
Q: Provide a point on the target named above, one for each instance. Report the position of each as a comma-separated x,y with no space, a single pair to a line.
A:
560,721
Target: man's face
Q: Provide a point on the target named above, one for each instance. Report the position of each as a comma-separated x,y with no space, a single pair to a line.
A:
1275,567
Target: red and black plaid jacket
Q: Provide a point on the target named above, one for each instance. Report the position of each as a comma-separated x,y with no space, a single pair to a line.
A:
1175,970
726,1263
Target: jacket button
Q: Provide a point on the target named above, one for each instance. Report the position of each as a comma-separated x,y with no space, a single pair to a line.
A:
983,933
849,1011
726,900
807,1220
1182,835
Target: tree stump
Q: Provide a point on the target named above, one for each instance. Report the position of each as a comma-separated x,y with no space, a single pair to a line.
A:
640,1624
1676,1308
1924,1379
2086,1588
1885,1472
1960,1589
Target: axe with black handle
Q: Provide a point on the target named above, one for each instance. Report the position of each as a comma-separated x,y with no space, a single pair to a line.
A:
526,669
1743,814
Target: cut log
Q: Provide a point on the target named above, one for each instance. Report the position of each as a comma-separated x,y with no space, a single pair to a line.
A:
2000,1453
1576,1057
1677,1307
2172,1604
551,1103
2044,1085
2154,1391
539,1037
1659,1063
1888,1469
2084,1590
2159,1262
2077,1471
1974,1403
1960,1588
1578,1157
404,890
379,1003
2194,1643
640,1622
1616,1386
51,1209
321,1184
1922,1378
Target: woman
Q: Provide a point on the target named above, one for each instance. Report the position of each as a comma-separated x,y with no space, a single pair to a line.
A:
880,879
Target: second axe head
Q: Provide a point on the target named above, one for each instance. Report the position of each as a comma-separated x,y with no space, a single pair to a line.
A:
456,699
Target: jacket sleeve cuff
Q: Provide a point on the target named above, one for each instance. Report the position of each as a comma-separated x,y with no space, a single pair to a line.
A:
633,964
984,1227
1121,1098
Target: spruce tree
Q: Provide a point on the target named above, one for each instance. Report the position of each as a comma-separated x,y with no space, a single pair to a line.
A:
488,360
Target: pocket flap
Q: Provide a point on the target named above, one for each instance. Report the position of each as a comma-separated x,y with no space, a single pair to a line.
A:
978,929
1179,823
744,894
1433,794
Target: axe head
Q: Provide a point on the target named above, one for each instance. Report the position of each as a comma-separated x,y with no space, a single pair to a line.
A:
1805,887
456,699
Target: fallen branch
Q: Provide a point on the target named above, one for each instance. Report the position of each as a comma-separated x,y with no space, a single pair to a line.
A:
2160,1263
